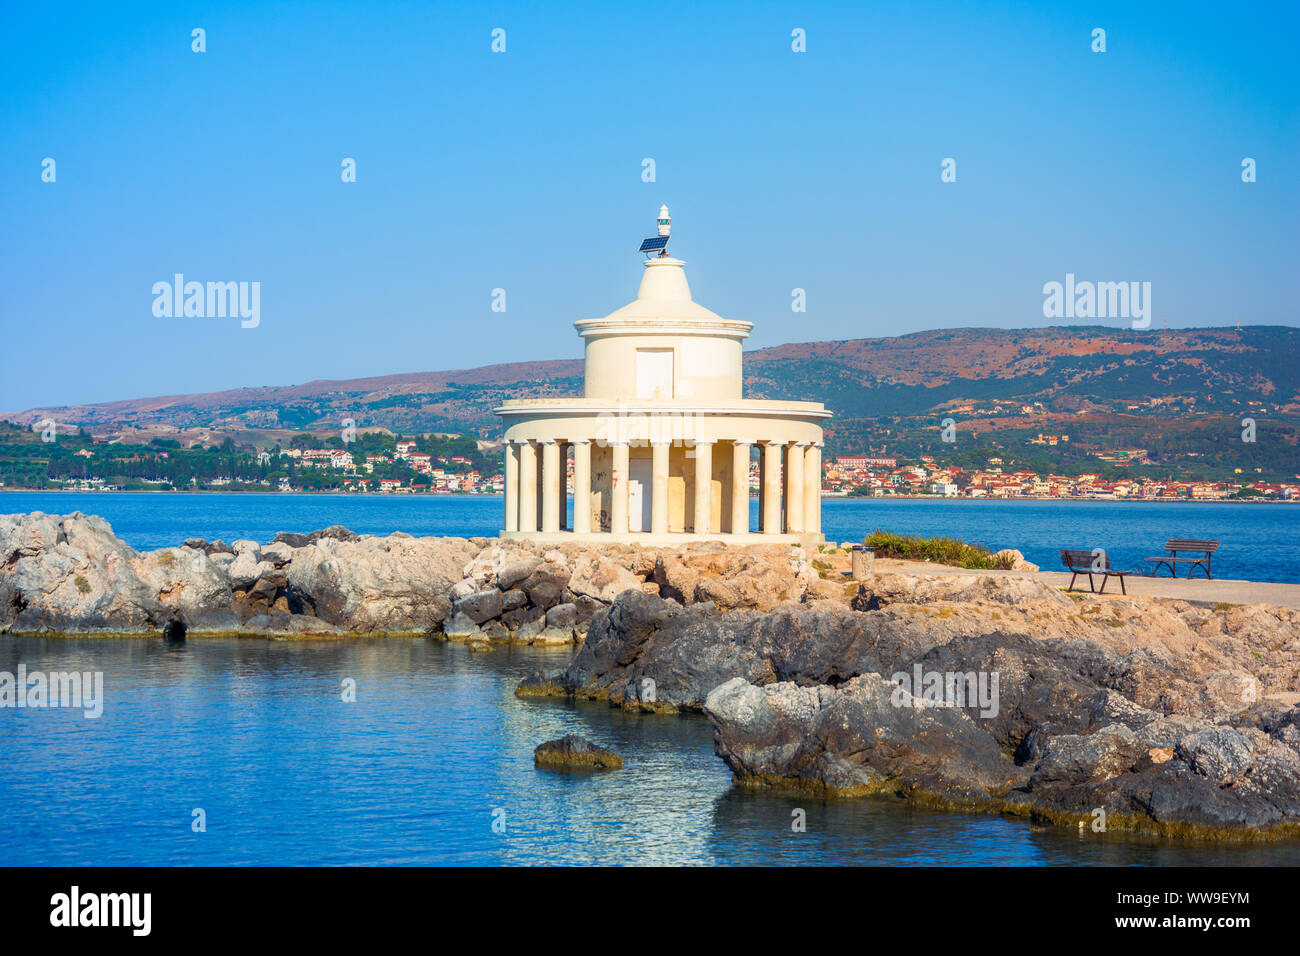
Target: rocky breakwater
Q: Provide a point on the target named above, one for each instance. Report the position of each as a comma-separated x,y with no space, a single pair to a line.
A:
979,692
72,574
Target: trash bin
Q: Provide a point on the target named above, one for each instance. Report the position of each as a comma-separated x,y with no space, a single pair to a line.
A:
864,561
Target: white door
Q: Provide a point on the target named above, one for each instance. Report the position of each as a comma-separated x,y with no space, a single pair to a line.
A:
640,476
654,373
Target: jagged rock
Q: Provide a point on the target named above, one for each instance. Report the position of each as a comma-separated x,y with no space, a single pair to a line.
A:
480,606
600,578
545,587
246,569
459,627
1219,753
562,616
518,617
757,578
244,545
482,569
463,589
335,532
397,583
292,539
856,739
1106,753
530,628
586,609
277,554
70,573
190,585
575,753
517,570
512,599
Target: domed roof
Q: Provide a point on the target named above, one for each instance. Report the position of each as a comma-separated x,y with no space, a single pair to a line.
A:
664,298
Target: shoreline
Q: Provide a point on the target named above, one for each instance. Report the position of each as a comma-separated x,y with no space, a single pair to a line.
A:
752,497
1074,701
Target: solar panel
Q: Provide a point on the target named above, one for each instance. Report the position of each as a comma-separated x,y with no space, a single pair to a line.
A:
653,244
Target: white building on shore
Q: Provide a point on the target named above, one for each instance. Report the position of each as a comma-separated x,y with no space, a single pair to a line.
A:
662,438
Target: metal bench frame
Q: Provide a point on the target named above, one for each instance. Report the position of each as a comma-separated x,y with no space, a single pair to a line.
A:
1205,549
1080,562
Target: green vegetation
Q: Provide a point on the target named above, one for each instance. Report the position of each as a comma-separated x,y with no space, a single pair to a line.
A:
1208,448
28,461
951,551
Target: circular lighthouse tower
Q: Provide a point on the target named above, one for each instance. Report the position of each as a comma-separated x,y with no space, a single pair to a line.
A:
662,440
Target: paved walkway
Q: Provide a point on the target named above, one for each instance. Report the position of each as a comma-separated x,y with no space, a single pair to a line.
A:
1197,590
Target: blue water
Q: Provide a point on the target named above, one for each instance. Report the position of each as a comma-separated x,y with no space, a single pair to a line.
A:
1258,542
434,750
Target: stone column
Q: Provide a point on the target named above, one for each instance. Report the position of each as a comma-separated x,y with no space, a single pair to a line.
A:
564,485
772,487
740,486
794,488
527,487
659,487
512,486
618,484
582,487
703,486
550,485
812,489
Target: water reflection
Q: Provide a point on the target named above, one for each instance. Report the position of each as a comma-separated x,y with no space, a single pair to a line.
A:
433,751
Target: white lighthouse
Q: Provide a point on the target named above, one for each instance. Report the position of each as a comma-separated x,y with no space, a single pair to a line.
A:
662,439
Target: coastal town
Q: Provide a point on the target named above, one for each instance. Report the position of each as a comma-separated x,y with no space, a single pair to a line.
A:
890,477
402,468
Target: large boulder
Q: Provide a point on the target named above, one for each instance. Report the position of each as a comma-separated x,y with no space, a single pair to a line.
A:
601,579
480,606
191,585
71,573
516,570
547,586
854,739
395,583
759,578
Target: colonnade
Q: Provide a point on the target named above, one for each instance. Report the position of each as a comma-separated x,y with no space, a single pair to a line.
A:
789,486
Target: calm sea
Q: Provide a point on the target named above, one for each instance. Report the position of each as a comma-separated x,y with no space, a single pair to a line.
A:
1258,542
432,762
434,751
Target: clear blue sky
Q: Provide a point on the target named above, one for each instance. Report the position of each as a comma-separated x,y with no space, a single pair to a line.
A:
522,170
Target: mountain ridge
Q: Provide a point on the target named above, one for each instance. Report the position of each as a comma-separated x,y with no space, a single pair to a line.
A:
1067,369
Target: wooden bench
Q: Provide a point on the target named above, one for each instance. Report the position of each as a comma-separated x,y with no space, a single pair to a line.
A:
1171,560
1090,563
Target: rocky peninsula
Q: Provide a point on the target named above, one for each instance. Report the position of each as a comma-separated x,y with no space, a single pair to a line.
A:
981,691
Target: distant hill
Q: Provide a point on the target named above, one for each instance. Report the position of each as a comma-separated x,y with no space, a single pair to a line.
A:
989,380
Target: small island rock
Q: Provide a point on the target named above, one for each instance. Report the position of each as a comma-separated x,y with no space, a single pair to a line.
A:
576,753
